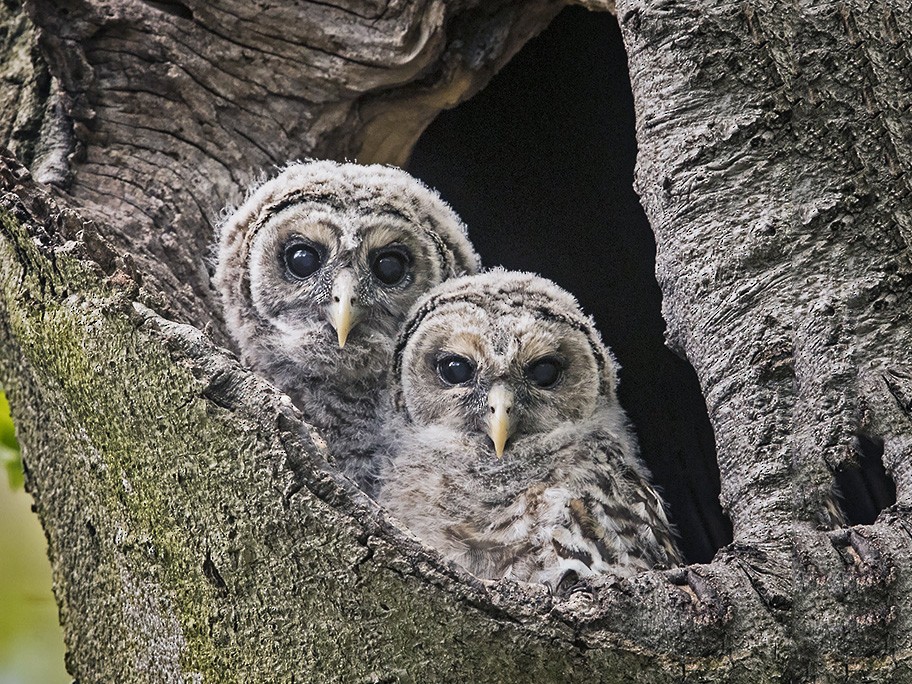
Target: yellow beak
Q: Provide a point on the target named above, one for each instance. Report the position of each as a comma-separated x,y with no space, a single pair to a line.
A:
499,423
340,310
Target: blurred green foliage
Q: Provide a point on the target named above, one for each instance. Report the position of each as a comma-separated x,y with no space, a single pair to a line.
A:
31,641
9,449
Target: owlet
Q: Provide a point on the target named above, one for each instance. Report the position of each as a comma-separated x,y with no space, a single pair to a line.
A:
317,269
509,451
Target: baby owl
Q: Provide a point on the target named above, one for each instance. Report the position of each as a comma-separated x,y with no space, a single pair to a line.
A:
317,269
509,452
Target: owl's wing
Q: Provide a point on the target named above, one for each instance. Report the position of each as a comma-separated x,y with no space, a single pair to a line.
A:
645,509
626,508
601,515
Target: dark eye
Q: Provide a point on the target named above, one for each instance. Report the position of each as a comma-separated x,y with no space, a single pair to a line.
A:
455,370
544,372
390,266
302,260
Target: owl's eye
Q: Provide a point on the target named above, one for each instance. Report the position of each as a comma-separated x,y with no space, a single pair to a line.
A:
302,260
545,372
455,370
390,266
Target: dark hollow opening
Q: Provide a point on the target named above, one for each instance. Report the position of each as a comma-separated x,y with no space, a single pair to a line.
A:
866,489
540,166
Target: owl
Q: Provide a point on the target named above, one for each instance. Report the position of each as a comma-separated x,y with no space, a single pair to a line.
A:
508,450
316,270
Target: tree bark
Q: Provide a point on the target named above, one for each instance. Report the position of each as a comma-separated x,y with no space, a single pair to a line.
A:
774,150
195,534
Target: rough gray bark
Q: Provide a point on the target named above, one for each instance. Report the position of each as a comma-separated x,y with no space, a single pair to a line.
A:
775,145
195,535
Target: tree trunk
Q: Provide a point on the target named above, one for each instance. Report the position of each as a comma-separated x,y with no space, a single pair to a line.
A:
195,535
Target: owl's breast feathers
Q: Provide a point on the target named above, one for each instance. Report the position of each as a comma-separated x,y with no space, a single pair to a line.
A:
584,506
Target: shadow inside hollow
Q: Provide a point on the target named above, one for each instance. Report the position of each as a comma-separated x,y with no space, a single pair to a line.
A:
864,491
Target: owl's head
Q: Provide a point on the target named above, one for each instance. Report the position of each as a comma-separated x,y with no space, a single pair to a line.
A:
501,354
330,256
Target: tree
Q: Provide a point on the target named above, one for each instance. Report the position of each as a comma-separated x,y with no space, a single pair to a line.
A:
195,535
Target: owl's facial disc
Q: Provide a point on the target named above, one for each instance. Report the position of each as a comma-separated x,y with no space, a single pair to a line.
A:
500,376
347,277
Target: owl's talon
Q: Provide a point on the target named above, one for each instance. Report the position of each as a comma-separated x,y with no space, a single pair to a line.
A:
572,587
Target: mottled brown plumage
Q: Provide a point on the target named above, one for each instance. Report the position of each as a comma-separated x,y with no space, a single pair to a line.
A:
507,361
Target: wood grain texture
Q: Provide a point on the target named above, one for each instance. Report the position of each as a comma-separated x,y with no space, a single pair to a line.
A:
194,531
175,107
